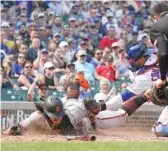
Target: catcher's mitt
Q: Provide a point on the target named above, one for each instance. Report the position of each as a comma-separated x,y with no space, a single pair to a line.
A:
159,96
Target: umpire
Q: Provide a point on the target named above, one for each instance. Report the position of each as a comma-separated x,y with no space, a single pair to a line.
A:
159,37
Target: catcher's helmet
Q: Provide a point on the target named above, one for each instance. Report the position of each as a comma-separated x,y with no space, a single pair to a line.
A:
134,52
53,107
159,96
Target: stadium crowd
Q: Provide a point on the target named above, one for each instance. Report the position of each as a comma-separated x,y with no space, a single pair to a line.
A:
47,39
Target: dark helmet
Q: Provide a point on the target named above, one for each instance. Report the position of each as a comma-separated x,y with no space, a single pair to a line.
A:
53,107
134,52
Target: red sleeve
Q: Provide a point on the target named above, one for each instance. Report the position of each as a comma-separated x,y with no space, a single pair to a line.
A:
103,44
99,69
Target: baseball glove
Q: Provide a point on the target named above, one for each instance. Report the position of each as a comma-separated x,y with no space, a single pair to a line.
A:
159,96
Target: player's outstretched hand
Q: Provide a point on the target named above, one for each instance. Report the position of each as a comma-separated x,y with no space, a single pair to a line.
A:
159,83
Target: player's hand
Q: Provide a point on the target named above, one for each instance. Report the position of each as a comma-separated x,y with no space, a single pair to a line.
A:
159,83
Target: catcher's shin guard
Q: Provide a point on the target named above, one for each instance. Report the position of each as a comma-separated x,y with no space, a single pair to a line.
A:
160,130
134,103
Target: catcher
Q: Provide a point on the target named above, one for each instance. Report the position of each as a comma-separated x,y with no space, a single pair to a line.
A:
159,96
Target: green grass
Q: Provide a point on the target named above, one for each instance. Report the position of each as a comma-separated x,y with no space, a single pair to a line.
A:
85,146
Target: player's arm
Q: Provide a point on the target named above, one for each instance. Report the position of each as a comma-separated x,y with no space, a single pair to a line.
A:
30,92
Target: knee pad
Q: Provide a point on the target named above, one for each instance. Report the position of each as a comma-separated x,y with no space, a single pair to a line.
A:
160,130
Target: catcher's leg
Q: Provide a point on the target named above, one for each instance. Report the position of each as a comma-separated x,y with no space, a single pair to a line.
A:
108,118
161,127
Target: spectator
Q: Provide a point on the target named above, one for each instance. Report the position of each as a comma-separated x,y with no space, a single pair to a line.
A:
5,26
68,55
88,42
23,49
110,22
66,34
18,40
5,80
102,12
8,43
108,70
22,20
17,67
23,32
7,64
35,47
122,12
42,58
56,39
122,43
27,77
11,33
87,68
50,76
57,24
108,40
85,10
4,15
58,60
103,94
76,13
42,91
43,37
41,20
4,47
71,45
120,66
115,47
94,35
92,13
51,17
69,75
97,57
106,53
134,39
124,35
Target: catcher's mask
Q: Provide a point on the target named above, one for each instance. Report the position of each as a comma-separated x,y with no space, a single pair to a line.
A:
133,53
82,81
159,96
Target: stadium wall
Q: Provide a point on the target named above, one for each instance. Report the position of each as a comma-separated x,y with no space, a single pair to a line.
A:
14,112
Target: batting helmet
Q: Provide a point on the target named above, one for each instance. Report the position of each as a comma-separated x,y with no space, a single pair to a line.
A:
159,96
134,52
53,107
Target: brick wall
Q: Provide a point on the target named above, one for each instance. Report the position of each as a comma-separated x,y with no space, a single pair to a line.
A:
143,119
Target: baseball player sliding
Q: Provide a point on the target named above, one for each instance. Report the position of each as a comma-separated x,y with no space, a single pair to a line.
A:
52,113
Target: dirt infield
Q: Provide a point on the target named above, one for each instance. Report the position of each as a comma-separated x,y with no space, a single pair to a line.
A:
115,134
